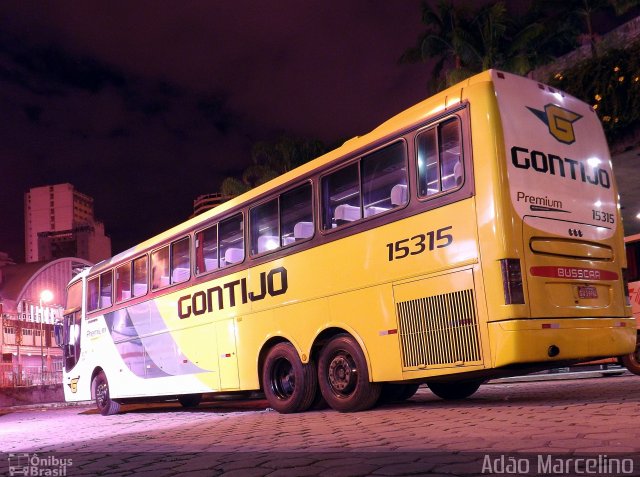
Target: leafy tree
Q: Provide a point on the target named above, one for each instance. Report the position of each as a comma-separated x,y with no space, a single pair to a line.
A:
579,15
271,159
463,42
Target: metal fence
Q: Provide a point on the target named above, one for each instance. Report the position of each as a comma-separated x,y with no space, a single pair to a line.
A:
12,375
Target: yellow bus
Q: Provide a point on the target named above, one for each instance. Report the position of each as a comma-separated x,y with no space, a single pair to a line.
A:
474,235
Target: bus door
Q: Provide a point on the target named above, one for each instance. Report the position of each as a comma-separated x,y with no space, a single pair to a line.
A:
71,333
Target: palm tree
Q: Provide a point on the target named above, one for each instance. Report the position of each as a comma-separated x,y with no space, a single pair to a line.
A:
440,40
464,42
271,159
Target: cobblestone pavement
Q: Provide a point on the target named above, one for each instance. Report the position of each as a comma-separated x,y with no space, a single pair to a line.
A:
552,424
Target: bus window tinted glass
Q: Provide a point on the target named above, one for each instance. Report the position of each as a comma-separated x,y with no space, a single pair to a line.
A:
439,158
123,282
296,216
180,263
140,271
106,287
160,268
231,241
428,171
384,176
207,250
265,234
93,294
341,197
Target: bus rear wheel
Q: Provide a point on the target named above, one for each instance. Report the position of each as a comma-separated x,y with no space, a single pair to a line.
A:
289,385
344,378
454,390
631,361
104,403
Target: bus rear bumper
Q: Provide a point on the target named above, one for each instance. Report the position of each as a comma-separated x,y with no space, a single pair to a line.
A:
549,340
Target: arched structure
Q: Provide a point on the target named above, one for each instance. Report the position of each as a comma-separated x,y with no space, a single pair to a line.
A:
32,297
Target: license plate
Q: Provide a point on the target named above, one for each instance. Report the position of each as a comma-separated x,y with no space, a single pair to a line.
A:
587,292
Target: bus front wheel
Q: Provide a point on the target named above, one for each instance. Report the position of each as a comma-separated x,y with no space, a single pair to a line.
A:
189,400
104,403
454,390
289,384
344,378
631,361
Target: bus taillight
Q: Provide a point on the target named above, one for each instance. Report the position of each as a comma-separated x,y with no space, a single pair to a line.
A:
512,281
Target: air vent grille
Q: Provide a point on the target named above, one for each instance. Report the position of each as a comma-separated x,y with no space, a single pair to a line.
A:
439,330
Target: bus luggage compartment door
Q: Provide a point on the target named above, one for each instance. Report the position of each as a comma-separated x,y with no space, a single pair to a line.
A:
438,322
227,357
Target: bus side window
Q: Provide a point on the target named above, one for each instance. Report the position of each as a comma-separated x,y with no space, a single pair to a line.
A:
296,215
123,282
450,155
341,197
93,294
160,268
231,239
180,262
440,166
381,171
106,287
207,250
140,272
265,234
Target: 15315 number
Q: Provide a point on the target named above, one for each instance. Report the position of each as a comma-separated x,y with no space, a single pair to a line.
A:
420,243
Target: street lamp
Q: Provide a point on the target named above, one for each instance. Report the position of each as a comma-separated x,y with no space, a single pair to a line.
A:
45,297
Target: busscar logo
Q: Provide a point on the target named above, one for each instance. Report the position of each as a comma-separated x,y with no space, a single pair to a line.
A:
559,121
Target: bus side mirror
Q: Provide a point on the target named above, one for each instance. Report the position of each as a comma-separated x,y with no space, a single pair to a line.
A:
57,333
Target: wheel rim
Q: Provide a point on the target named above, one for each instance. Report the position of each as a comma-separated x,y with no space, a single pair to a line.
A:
343,374
102,394
283,380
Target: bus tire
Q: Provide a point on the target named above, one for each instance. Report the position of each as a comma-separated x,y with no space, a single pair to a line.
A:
289,385
106,406
189,400
631,361
392,392
454,390
343,376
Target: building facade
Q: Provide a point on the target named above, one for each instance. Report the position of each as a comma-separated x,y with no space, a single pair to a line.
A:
32,298
59,222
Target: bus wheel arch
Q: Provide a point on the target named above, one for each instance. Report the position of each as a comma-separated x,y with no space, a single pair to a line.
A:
101,394
288,384
343,375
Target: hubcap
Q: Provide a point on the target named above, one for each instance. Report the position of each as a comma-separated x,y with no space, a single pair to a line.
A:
343,374
283,380
102,391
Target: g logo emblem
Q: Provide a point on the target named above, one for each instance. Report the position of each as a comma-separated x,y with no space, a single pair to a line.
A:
559,121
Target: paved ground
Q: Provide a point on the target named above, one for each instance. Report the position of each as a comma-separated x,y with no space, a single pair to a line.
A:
538,426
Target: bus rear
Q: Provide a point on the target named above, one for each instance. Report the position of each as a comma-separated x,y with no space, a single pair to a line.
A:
563,255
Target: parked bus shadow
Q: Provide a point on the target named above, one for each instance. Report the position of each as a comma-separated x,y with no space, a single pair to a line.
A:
219,404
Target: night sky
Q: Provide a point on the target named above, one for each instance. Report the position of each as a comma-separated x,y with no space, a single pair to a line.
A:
145,105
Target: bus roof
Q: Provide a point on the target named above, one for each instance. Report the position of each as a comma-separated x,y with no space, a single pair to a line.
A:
438,103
